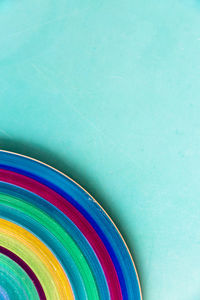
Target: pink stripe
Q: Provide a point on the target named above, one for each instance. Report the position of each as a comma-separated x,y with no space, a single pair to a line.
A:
77,218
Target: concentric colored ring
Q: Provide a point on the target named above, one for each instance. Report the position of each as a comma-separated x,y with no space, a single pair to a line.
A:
20,285
30,274
52,234
38,257
91,257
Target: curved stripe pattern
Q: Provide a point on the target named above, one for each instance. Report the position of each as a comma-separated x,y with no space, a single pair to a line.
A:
59,236
30,274
12,275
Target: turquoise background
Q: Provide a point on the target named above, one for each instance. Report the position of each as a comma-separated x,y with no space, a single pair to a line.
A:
109,93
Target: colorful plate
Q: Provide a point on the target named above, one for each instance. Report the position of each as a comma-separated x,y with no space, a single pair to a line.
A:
56,242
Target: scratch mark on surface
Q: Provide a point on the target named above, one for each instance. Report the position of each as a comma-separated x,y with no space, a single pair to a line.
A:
39,70
38,26
5,133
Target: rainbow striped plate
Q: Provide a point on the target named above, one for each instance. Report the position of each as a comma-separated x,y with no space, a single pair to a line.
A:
56,242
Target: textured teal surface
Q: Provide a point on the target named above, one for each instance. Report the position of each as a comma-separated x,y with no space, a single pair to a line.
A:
108,92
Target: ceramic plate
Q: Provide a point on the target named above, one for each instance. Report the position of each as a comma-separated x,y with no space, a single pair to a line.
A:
56,242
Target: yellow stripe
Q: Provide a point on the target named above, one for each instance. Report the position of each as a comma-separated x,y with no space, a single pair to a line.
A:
40,259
